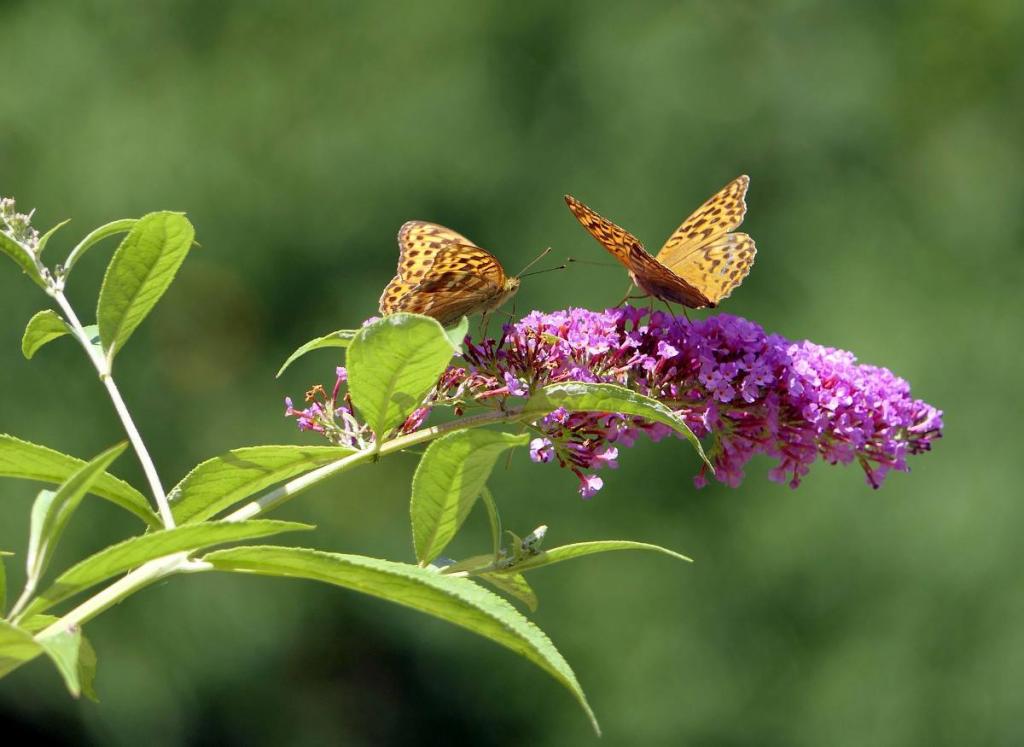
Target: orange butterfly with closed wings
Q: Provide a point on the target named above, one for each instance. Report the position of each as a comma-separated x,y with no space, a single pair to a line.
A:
444,275
702,261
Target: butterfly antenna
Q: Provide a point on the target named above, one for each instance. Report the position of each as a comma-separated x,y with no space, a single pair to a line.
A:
541,272
574,261
534,261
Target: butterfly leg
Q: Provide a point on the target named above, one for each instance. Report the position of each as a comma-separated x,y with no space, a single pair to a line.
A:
484,319
625,298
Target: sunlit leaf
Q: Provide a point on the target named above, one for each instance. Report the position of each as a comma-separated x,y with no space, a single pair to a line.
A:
609,398
63,648
34,462
341,338
457,334
135,551
457,600
17,646
52,511
579,549
3,582
141,270
95,236
515,585
22,258
42,328
86,654
45,238
392,364
222,481
448,480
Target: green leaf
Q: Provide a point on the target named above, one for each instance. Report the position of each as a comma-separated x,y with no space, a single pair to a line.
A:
227,479
142,269
493,519
33,462
341,338
515,585
46,236
133,552
611,398
63,648
86,653
457,600
3,582
579,549
22,257
458,333
449,478
42,328
87,670
53,510
95,236
16,647
392,364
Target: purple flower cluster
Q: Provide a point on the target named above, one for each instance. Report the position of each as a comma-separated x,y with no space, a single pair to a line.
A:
751,392
329,416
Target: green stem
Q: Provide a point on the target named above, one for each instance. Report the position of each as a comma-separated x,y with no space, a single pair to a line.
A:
179,562
103,369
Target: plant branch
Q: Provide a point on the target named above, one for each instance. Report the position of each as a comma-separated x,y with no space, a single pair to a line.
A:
290,489
103,369
179,562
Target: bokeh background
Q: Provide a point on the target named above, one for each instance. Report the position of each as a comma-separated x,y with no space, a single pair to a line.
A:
884,142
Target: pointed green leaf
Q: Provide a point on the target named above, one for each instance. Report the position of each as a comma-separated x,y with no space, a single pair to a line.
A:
611,398
392,364
3,582
16,647
46,236
22,257
95,236
34,462
493,519
87,670
515,585
42,328
457,600
86,653
141,270
448,480
458,333
39,516
92,332
341,338
52,511
219,483
133,552
63,649
579,549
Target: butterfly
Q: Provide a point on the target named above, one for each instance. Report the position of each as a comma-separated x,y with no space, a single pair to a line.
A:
444,275
701,262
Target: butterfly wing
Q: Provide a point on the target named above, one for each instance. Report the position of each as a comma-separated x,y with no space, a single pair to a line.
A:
647,272
419,243
461,279
704,253
619,242
469,259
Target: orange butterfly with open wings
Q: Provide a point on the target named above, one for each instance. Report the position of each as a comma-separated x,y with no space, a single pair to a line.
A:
701,262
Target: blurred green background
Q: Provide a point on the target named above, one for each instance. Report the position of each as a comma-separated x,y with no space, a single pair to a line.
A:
884,142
